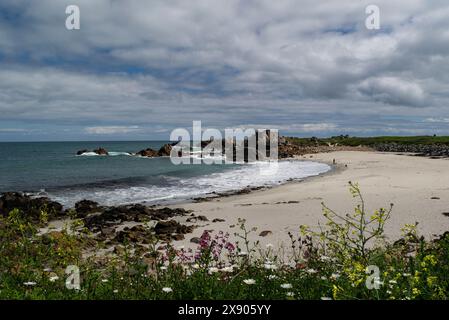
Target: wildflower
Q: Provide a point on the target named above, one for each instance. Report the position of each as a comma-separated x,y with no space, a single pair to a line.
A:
104,280
325,258
326,298
249,281
228,269
53,278
311,271
431,259
406,274
30,283
195,266
115,291
269,245
167,289
431,280
272,277
163,268
270,266
286,286
416,292
47,270
243,253
335,276
290,294
213,270
392,282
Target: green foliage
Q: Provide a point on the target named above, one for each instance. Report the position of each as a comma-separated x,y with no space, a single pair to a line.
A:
370,141
327,263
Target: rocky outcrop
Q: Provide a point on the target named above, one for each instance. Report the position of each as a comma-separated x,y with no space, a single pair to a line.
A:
136,213
101,152
136,234
31,207
165,150
171,230
80,152
147,153
85,207
425,150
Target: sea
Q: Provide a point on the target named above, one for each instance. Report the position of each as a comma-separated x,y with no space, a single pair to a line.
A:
54,170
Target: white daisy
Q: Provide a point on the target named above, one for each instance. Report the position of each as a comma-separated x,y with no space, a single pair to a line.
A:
249,281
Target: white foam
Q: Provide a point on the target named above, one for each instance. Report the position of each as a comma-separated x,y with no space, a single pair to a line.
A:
110,153
186,188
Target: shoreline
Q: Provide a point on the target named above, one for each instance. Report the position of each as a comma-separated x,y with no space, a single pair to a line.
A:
415,185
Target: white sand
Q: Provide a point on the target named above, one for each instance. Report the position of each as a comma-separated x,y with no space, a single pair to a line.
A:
407,181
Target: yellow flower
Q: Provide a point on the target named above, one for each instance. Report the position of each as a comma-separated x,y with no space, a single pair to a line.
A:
431,280
416,292
335,290
431,259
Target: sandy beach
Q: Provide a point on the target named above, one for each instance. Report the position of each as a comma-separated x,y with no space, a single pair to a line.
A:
417,186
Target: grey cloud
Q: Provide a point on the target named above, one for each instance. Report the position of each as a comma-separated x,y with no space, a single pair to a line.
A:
227,62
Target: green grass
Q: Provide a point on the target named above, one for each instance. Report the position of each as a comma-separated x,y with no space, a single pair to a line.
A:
370,141
327,263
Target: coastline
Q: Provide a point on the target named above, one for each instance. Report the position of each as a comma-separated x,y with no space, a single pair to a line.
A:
415,185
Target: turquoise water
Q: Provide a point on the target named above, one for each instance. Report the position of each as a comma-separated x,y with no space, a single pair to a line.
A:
53,169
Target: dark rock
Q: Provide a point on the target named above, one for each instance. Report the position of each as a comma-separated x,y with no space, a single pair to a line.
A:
178,237
435,151
136,213
101,152
202,218
170,227
218,220
136,234
165,150
435,198
31,207
84,207
265,233
446,214
80,152
195,240
148,153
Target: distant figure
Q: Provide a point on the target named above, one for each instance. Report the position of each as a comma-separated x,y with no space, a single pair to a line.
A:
334,162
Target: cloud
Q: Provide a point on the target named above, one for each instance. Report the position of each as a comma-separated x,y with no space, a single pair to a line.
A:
159,65
12,130
111,130
394,91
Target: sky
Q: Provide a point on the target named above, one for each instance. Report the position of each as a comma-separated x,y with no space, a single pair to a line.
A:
136,70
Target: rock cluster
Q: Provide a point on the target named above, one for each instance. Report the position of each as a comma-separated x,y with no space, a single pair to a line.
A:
100,151
105,221
425,150
32,207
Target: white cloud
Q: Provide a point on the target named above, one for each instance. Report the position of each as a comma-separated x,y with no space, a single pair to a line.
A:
111,130
394,91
